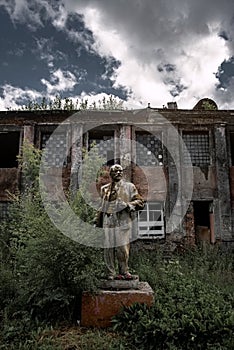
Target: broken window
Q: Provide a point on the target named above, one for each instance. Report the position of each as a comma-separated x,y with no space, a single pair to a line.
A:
9,149
55,149
232,147
151,221
148,149
198,147
105,145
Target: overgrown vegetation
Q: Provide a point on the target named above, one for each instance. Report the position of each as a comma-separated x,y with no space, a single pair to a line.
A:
209,106
71,104
193,306
43,273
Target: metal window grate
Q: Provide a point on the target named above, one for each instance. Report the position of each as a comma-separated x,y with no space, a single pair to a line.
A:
56,149
105,147
198,148
151,222
148,150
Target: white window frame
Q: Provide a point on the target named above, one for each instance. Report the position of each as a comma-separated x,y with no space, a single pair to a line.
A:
146,225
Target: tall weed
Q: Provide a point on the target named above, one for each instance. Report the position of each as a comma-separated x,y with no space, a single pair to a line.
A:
192,309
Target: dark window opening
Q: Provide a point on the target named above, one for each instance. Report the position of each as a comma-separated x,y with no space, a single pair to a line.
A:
232,147
9,149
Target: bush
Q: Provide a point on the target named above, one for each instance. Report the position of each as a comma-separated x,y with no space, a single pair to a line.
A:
42,272
189,312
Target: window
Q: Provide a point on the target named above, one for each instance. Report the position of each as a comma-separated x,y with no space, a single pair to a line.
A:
56,149
198,148
148,150
9,149
151,221
104,144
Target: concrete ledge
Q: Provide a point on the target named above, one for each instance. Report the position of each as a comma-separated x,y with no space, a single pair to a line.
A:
98,309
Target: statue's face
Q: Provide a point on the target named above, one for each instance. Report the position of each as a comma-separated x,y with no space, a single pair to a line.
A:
116,172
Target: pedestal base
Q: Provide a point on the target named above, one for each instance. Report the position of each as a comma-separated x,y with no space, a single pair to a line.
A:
120,284
98,309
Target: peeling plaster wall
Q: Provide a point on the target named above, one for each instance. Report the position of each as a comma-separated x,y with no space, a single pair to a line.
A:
204,182
223,224
150,182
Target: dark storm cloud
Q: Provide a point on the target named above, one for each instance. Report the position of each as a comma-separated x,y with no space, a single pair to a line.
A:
225,73
158,33
164,22
225,89
36,49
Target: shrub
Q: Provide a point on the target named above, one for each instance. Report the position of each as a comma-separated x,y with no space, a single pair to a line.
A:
41,269
189,312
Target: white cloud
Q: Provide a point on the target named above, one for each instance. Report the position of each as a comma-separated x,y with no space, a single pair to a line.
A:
14,97
60,81
147,34
60,18
198,69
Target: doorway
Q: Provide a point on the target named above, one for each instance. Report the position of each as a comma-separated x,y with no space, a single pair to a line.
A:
204,221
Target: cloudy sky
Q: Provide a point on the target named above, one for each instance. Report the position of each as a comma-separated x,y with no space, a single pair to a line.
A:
141,51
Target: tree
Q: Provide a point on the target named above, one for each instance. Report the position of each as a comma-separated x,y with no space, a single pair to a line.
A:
69,104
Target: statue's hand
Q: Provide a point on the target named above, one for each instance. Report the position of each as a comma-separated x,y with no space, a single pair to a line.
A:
121,205
131,208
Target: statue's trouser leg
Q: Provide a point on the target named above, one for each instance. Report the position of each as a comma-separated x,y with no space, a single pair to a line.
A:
122,249
109,251
122,254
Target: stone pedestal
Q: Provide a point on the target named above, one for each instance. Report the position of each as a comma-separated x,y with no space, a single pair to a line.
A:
98,309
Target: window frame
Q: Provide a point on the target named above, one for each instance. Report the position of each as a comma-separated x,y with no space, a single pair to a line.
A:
49,132
159,157
205,152
150,233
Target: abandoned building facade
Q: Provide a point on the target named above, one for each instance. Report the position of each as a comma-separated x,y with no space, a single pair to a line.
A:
181,161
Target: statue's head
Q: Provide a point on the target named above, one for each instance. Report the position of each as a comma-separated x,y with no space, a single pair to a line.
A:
116,172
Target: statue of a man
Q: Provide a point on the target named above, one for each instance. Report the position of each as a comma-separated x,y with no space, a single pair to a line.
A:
120,201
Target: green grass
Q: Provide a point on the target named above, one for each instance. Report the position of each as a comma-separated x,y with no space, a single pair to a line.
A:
68,338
